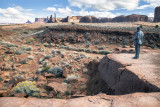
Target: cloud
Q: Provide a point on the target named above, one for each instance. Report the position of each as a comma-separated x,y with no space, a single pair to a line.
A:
151,15
105,5
50,9
153,3
15,15
95,13
143,7
63,12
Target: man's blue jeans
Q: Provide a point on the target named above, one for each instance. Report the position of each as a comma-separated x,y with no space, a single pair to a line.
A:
137,49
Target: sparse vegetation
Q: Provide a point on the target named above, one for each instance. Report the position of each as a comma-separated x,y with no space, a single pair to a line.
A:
45,69
156,26
56,70
18,52
27,87
68,92
59,95
25,32
30,40
1,79
72,23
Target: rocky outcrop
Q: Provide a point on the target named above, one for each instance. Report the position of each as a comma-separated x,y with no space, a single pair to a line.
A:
101,100
124,75
130,18
77,34
157,14
29,22
41,20
86,19
74,19
50,20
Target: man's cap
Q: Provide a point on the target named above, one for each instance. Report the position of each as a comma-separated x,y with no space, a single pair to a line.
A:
138,28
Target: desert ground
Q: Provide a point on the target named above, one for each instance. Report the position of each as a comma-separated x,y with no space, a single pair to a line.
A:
63,60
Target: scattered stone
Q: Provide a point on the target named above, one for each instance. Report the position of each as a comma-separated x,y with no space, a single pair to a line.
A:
97,42
47,57
57,87
29,48
40,78
39,71
30,57
131,51
41,60
104,52
24,61
45,63
9,52
101,48
65,73
124,51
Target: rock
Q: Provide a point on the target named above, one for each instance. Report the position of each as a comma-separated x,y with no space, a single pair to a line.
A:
100,100
30,57
43,95
65,73
131,51
104,52
24,61
134,75
3,93
101,48
97,42
124,51
9,52
15,80
157,14
41,60
47,57
20,94
88,44
39,71
45,63
49,75
57,87
29,48
117,49
130,18
40,78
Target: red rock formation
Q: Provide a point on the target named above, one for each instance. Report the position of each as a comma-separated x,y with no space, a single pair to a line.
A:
40,20
130,18
126,75
157,14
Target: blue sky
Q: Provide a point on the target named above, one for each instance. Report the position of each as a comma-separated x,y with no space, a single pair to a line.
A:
19,11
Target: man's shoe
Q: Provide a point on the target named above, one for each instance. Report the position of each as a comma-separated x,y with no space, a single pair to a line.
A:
135,57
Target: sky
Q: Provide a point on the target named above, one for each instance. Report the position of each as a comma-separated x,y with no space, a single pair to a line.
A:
19,11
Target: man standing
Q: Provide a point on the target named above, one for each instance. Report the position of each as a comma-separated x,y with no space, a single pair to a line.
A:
138,41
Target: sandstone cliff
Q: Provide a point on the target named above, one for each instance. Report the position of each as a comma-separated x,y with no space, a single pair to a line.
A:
157,14
130,18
